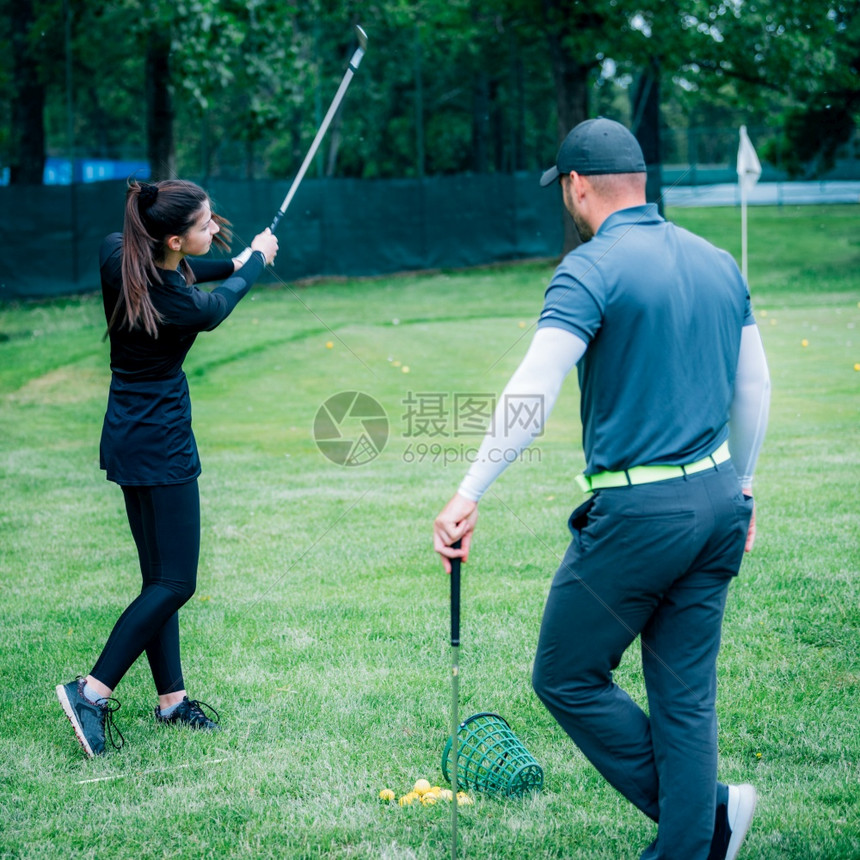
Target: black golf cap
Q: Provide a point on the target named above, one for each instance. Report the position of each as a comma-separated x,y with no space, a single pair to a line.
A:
594,147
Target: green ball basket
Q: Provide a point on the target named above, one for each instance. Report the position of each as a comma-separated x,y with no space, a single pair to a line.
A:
491,758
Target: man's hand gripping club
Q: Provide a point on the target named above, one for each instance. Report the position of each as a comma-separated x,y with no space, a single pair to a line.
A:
455,522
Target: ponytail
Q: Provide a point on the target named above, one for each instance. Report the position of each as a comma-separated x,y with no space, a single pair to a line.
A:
152,213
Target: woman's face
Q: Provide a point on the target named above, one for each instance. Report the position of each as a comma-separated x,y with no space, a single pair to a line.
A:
198,239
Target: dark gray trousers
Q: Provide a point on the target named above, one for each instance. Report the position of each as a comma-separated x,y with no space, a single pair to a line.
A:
653,560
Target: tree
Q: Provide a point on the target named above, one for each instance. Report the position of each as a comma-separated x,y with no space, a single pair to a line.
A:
27,137
238,87
804,55
655,46
827,101
158,92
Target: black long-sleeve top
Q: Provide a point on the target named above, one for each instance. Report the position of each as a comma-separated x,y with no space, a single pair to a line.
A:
146,436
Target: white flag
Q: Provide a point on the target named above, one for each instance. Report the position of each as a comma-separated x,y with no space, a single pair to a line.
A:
749,167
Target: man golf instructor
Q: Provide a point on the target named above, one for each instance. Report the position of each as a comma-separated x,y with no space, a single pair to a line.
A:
674,400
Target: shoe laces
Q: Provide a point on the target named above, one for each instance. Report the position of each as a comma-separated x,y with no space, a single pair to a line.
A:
196,708
109,708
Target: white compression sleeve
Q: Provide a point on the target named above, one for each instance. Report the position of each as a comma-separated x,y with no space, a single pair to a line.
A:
750,406
551,356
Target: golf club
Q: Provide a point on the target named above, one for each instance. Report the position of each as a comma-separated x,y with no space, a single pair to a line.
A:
338,98
455,690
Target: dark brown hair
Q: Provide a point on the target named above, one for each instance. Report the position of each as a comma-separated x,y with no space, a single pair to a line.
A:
153,212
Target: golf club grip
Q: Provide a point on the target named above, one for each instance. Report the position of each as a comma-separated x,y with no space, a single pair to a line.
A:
455,598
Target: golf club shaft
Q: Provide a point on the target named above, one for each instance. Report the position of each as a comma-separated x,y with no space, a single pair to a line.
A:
455,691
338,98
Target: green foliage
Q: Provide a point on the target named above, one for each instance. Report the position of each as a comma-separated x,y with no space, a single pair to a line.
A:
811,139
807,53
446,87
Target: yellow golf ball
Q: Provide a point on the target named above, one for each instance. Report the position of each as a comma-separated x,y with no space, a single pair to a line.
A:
857,366
408,799
446,794
422,786
463,799
428,799
386,794
329,344
804,342
405,368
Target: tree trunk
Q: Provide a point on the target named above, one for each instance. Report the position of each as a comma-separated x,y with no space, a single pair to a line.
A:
518,124
420,156
646,127
335,136
160,147
497,127
27,156
480,121
571,95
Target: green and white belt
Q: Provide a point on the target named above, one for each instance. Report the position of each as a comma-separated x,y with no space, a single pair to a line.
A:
650,474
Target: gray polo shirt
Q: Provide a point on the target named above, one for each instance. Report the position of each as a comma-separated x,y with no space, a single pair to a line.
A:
661,310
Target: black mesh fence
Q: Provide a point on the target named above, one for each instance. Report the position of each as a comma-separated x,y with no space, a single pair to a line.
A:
338,227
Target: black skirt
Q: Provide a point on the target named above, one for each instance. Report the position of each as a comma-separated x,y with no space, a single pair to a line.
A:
146,436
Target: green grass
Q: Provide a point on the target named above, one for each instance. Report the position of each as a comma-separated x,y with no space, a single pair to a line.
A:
320,624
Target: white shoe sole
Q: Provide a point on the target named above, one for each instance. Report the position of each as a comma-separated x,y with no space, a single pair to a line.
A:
743,818
73,719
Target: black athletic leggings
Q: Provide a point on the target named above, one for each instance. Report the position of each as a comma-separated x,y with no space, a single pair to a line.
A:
165,523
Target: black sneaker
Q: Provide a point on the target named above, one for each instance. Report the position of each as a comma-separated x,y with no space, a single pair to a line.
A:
732,822
89,719
190,713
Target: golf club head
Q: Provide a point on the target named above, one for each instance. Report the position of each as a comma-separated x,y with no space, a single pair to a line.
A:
362,37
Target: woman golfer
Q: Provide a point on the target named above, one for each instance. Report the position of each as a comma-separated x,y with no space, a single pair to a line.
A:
155,311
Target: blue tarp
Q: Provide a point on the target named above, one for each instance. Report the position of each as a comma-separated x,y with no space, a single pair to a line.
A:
58,171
